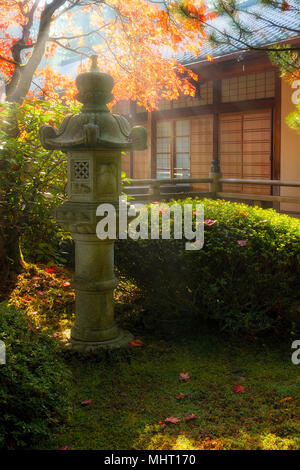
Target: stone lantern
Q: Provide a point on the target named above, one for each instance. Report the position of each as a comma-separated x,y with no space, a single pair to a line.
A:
93,141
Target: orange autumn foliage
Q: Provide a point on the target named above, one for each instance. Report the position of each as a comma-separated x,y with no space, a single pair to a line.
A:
137,42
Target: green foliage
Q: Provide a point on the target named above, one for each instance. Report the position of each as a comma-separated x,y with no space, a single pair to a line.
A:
248,288
34,382
32,181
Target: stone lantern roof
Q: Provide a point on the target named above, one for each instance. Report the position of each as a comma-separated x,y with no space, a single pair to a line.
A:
94,127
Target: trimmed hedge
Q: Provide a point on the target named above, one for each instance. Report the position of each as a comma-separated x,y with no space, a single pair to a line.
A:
34,382
246,277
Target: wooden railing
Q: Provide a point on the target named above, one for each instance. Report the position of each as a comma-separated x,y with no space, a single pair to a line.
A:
175,188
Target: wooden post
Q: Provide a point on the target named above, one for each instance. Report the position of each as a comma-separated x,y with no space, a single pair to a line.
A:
156,189
215,171
152,143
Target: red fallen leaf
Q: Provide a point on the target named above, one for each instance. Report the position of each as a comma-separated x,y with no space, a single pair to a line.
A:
242,242
209,222
137,343
181,396
35,278
49,270
191,416
287,398
67,447
86,402
66,284
184,376
172,419
239,389
162,424
27,297
58,301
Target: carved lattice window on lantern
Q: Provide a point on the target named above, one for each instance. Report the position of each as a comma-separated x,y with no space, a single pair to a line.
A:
81,170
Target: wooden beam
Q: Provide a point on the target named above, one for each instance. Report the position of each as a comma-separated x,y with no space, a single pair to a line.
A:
194,111
259,197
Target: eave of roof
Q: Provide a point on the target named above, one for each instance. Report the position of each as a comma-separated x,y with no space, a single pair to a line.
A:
263,34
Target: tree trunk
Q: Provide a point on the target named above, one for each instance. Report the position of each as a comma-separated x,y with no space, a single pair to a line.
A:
19,85
10,255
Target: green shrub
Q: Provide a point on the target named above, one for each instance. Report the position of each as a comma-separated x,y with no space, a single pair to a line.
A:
254,288
34,382
32,184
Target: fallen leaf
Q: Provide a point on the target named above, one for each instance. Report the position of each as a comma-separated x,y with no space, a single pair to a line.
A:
172,419
66,284
67,447
287,398
137,343
209,222
242,242
181,396
184,376
191,416
239,389
162,424
86,402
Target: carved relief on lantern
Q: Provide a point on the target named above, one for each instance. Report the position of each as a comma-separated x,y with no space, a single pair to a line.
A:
80,180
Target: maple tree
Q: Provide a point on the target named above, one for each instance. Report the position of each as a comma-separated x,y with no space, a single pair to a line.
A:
136,41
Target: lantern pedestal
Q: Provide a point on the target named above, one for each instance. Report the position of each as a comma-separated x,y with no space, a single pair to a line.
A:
94,283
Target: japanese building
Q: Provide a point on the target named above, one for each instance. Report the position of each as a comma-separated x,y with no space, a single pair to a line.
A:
237,115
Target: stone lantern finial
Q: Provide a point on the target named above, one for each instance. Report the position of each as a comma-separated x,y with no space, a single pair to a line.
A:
94,65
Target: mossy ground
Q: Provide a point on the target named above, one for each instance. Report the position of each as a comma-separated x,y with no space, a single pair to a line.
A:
133,391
